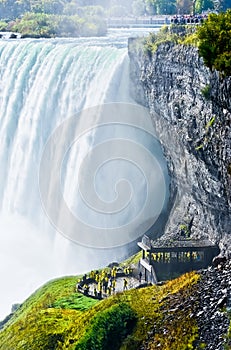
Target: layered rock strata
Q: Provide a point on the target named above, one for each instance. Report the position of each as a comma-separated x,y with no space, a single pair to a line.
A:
191,111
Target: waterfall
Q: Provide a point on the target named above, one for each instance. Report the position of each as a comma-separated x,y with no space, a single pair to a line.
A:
44,84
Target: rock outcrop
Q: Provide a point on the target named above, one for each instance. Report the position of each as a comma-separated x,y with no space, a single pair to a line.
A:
191,111
206,302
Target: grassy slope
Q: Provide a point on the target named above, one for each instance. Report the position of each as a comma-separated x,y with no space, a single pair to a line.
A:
37,321
39,325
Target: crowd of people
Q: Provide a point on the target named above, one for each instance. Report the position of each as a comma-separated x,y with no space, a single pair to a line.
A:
188,19
103,283
167,257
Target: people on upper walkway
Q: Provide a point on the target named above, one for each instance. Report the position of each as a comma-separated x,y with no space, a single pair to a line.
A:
188,19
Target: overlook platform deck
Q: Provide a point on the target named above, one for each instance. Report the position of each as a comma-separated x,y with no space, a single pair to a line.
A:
175,257
137,22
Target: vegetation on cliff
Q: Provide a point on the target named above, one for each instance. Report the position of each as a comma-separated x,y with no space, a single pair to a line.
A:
212,39
215,43
125,319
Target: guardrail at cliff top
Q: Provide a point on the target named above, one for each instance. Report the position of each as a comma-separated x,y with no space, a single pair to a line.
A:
138,22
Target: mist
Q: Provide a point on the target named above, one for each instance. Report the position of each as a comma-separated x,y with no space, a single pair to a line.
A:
56,79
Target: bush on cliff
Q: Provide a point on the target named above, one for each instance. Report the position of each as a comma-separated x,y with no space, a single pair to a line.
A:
108,328
153,40
3,26
215,43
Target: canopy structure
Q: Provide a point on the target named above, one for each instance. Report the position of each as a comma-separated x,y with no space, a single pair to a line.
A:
165,261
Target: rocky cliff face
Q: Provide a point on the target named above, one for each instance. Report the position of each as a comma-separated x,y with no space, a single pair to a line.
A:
191,111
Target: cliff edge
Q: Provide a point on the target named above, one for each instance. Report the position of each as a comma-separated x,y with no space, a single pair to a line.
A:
191,111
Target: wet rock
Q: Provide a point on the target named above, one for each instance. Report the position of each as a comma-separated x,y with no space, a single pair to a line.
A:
222,302
195,134
219,260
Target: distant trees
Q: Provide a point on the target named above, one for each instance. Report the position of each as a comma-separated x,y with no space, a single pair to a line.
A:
12,9
46,25
215,43
203,5
3,26
184,6
118,11
138,8
49,18
162,6
165,7
93,12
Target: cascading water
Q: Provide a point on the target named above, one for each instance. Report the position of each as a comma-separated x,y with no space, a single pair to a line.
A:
42,84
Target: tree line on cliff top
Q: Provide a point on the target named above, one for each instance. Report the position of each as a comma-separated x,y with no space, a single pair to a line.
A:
12,9
49,18
88,17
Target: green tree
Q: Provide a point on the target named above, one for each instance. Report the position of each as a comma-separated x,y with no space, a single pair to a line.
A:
163,7
37,6
9,9
35,25
118,11
150,8
70,9
203,5
225,5
3,26
215,43
184,6
125,3
54,7
108,329
138,8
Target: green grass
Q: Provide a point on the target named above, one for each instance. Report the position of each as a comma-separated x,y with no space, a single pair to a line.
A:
55,317
47,317
75,301
133,260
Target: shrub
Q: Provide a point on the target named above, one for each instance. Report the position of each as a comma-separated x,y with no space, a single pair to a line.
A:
108,329
164,35
3,26
215,43
206,92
